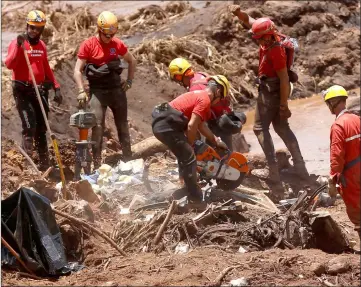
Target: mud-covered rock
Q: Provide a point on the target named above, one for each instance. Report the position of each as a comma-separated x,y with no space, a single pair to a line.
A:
339,264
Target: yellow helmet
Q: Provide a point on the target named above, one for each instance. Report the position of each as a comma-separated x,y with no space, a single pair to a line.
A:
222,80
178,66
334,91
107,23
36,18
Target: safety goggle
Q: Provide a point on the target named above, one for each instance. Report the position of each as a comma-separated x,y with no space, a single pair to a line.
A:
108,36
36,28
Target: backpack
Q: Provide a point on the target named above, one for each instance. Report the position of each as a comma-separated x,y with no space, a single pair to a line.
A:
291,47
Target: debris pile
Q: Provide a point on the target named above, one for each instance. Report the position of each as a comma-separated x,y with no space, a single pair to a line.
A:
150,18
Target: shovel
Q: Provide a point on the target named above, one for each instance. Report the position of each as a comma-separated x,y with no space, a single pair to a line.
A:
52,136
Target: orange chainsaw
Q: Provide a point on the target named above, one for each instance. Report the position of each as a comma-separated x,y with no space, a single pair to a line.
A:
228,171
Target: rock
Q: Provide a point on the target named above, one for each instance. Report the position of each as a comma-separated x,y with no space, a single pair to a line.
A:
45,188
318,268
79,209
85,191
70,238
337,265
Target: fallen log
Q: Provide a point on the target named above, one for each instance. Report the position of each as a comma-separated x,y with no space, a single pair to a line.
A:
143,149
148,147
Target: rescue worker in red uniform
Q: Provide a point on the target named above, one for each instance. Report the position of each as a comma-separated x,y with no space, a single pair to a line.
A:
274,90
176,125
99,57
181,71
27,104
345,153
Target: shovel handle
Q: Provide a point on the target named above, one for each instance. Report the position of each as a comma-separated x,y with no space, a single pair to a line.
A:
52,136
16,255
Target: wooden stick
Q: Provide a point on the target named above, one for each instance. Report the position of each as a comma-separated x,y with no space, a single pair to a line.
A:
218,280
100,233
47,172
23,152
165,223
17,256
29,275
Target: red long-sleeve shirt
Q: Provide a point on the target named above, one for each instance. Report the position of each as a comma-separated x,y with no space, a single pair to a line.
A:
345,147
38,57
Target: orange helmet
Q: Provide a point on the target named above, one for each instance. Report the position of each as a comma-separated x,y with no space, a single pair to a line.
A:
261,27
107,23
36,18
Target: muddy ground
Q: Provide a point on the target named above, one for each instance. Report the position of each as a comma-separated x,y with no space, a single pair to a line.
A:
328,33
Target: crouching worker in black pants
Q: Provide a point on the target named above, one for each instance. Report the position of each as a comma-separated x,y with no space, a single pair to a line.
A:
176,124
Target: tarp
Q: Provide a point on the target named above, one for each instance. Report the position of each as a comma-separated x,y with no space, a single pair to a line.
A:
28,225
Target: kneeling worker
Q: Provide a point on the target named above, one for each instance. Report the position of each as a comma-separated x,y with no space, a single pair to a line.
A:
223,121
176,125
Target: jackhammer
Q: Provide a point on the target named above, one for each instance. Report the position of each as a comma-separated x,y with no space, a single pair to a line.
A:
83,120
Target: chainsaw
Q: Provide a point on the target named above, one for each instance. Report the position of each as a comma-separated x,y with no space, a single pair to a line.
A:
228,171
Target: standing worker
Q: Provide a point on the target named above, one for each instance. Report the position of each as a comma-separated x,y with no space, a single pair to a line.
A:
223,122
176,125
100,59
345,153
274,90
32,119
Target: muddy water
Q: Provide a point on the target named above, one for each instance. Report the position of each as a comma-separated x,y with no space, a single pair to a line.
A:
311,121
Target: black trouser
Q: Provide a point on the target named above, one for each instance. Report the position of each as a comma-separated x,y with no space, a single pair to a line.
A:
116,100
178,144
32,120
168,127
267,112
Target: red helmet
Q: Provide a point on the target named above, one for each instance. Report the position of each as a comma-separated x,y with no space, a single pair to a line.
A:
261,27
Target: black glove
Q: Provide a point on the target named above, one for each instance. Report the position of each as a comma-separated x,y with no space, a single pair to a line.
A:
58,98
20,39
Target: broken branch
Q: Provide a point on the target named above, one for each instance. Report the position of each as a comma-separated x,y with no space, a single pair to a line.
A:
101,234
220,277
165,223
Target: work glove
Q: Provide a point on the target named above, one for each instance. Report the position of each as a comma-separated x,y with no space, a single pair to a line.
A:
285,112
127,85
332,189
20,39
58,98
221,144
82,98
234,9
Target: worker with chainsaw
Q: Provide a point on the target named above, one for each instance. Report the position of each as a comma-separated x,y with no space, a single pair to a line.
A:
345,153
275,78
28,106
99,57
223,122
176,125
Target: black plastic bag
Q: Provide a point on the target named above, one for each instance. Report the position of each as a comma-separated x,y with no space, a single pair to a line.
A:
29,226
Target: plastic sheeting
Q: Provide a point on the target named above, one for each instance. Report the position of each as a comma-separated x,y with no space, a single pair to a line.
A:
28,225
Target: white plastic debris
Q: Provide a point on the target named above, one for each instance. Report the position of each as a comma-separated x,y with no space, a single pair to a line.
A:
242,250
181,248
59,186
239,282
104,169
124,211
